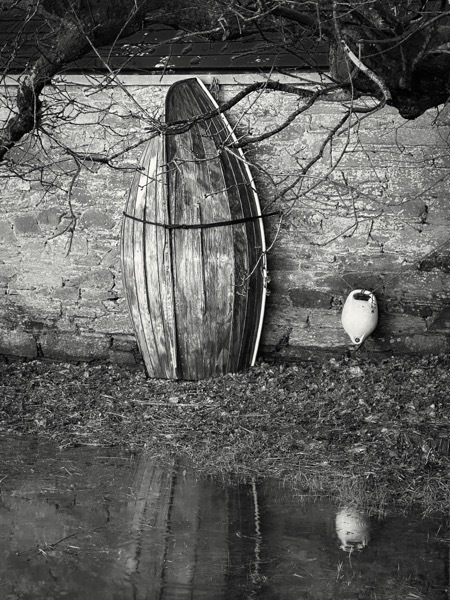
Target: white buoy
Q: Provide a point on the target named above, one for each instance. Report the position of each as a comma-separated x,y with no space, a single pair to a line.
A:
353,529
360,315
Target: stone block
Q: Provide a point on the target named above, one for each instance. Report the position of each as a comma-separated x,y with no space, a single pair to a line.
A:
42,279
122,358
18,343
387,135
326,108
7,235
111,258
90,259
282,263
278,302
395,324
4,280
310,298
443,118
94,218
425,288
439,261
412,135
7,273
441,321
323,338
69,346
395,305
50,216
124,343
275,333
373,159
279,285
23,308
345,282
113,324
83,312
409,181
27,225
384,263
408,208
66,293
419,344
92,294
98,278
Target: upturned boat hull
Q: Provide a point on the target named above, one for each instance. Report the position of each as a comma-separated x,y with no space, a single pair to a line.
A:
193,249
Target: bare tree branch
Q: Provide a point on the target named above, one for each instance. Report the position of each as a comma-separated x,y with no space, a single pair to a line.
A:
370,74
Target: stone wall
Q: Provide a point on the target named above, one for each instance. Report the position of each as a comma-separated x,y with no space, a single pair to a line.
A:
372,212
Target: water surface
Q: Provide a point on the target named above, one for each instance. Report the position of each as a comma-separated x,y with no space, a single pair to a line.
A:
100,524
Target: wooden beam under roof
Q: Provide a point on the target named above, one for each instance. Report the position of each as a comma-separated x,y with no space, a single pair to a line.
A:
152,50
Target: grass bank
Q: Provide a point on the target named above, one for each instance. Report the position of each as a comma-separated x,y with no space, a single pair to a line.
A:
370,432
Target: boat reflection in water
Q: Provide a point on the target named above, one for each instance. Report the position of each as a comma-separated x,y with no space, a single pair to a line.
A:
98,523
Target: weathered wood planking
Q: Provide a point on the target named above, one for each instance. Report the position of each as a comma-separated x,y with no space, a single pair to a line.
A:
219,272
146,264
196,294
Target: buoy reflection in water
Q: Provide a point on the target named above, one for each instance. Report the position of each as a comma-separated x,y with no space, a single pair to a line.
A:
353,529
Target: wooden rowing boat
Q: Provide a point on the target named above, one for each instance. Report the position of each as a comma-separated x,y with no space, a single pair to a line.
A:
193,249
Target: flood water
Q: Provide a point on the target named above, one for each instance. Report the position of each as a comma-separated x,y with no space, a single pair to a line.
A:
94,523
